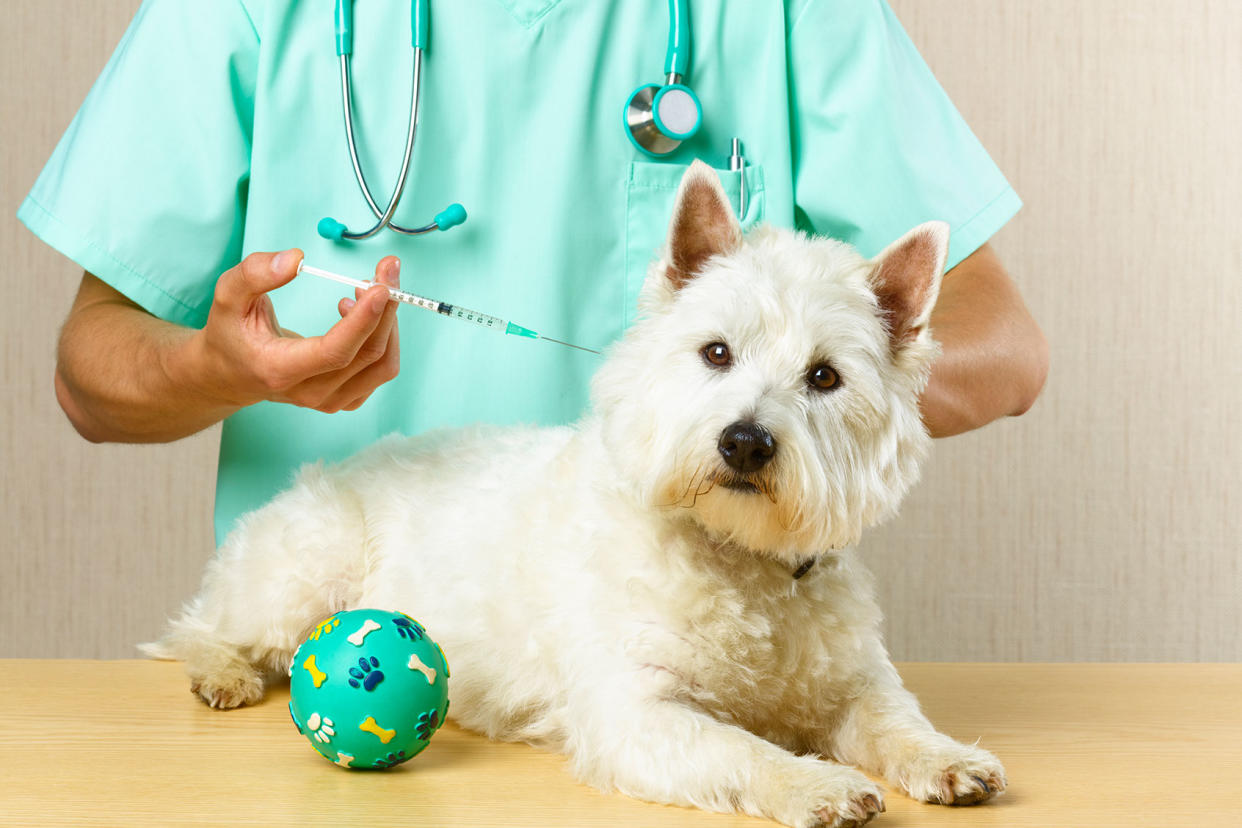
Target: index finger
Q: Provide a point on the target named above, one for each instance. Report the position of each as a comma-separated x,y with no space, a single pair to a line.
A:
336,349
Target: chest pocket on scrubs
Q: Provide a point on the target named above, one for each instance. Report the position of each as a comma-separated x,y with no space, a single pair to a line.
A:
650,190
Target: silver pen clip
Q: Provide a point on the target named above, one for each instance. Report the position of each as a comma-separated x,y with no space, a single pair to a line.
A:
737,164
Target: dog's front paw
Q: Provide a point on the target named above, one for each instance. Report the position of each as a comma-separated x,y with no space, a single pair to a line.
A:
961,776
830,796
228,689
854,811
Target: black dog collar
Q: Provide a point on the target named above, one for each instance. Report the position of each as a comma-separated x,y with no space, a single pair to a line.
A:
804,568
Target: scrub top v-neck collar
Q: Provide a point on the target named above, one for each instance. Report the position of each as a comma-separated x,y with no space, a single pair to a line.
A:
529,12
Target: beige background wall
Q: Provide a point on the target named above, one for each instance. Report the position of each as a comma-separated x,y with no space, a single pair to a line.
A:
1104,525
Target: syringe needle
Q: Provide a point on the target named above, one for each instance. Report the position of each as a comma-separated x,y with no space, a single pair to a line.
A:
567,344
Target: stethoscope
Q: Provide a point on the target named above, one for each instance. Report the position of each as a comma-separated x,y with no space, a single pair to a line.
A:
658,117
450,216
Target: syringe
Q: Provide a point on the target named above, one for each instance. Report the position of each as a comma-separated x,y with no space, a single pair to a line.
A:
494,323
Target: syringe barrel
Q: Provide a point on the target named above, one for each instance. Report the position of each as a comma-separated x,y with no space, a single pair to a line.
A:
467,315
414,299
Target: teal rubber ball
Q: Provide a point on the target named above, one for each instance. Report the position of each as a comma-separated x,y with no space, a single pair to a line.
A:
368,688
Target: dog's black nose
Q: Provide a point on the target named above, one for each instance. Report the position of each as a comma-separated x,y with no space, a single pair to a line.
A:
746,447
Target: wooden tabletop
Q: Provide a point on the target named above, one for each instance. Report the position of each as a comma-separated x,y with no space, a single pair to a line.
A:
124,743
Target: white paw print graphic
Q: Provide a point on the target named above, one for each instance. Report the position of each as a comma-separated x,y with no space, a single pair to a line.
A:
320,728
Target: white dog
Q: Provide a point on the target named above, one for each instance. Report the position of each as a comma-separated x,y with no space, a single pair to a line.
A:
665,592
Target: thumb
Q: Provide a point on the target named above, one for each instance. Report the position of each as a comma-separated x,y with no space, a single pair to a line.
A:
258,274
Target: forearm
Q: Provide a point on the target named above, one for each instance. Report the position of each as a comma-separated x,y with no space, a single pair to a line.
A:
994,358
123,375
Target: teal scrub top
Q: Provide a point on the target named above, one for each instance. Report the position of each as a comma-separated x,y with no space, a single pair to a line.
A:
216,130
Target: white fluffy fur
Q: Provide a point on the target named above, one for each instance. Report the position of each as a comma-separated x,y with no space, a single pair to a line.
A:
598,594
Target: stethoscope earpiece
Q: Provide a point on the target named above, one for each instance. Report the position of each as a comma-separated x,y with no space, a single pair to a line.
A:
448,218
331,229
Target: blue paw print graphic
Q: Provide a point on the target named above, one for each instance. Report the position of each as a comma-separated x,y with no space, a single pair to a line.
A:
367,674
409,628
390,760
428,724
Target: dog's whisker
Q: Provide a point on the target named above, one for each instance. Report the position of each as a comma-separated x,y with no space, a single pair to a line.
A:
680,500
704,475
690,485
765,487
697,485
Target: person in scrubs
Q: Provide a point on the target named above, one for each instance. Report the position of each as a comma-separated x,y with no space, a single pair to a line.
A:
191,182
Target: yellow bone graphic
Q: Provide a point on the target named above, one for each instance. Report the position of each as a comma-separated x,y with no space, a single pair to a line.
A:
317,675
370,726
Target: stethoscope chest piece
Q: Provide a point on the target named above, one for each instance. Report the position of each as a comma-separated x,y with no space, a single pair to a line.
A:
658,118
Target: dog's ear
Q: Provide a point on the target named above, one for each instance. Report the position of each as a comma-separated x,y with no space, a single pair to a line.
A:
703,224
906,279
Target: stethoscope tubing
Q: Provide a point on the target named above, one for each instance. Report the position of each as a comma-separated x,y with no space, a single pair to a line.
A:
384,216
677,55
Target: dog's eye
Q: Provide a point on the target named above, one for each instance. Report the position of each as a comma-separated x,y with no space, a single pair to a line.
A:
823,378
717,354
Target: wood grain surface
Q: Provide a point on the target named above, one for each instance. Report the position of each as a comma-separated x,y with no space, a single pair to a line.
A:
124,743
1103,525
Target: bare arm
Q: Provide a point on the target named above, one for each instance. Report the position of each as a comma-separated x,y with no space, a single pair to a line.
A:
994,356
124,375
112,375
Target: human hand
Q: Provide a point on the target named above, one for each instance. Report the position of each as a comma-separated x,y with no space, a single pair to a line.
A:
243,355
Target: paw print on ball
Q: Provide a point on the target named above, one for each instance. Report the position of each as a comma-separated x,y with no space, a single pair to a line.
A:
428,724
325,626
390,760
367,674
321,727
409,628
